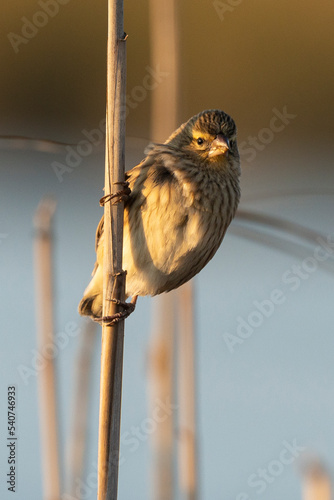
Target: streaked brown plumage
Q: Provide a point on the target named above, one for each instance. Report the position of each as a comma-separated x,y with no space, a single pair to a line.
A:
184,195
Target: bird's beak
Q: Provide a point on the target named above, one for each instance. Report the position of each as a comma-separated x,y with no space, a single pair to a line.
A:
219,146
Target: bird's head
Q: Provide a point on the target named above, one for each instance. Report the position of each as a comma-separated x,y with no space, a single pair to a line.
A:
208,138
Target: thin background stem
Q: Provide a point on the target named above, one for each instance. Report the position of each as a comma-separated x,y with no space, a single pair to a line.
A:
45,334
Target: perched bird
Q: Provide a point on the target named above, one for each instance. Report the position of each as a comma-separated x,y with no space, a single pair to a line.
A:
183,197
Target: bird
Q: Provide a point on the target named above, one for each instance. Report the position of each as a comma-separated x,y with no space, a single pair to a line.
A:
183,196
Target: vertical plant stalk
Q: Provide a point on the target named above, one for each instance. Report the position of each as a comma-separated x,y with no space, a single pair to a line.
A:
164,119
44,317
161,362
113,278
186,394
317,483
78,431
164,54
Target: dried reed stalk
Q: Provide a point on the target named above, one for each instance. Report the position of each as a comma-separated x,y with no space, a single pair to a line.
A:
80,400
186,394
316,484
164,54
44,316
164,119
113,278
161,368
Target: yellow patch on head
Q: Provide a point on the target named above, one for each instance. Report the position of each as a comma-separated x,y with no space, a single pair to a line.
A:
203,135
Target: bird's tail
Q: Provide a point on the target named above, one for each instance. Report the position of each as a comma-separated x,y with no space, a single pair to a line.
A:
85,307
91,303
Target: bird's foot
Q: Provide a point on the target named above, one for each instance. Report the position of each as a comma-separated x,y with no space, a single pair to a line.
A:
119,196
128,308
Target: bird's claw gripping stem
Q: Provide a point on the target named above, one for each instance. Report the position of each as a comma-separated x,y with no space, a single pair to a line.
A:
128,308
119,196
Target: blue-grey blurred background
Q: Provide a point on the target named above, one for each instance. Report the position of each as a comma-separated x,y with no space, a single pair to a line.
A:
262,387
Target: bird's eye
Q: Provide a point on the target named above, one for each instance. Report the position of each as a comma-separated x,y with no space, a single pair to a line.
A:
200,141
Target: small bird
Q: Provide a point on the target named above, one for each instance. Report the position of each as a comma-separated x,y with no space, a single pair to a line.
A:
183,197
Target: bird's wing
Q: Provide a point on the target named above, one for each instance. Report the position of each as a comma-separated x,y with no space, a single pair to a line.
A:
155,186
136,173
99,232
155,211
